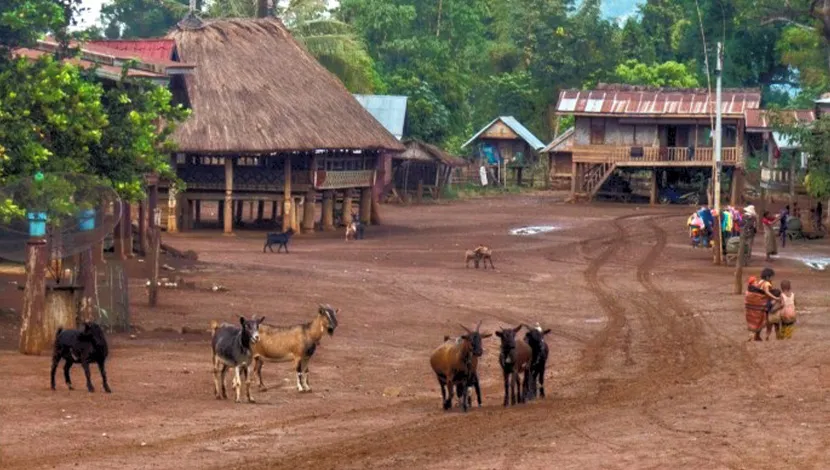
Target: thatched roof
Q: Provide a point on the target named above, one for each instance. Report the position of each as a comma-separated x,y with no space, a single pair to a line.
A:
422,151
256,90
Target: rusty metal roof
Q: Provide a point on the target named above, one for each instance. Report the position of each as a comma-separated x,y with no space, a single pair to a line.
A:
759,120
562,143
654,102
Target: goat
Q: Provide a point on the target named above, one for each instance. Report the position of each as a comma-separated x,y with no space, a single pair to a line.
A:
472,383
280,239
295,343
514,359
535,338
485,254
84,346
454,364
471,255
232,347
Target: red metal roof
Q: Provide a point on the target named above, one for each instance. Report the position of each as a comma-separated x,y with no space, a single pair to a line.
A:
149,49
107,71
653,102
760,119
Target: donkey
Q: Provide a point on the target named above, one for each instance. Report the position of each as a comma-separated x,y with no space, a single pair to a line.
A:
231,347
485,254
85,346
453,364
535,338
295,343
514,359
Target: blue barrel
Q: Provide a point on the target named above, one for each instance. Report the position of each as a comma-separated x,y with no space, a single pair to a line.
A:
86,218
37,224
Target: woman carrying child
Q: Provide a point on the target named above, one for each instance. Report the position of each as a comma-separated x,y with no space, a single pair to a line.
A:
788,312
756,303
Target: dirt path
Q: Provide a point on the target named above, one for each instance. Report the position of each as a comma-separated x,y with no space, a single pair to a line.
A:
649,365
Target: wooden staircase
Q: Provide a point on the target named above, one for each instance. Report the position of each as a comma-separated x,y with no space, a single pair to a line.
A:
594,177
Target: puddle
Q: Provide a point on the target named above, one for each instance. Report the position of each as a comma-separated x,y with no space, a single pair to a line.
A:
533,230
817,263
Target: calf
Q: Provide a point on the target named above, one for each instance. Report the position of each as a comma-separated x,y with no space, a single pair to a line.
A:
455,363
295,343
535,338
514,359
85,345
231,347
485,254
280,239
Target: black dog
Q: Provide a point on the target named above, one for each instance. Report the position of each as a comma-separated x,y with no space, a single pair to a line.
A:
84,346
280,239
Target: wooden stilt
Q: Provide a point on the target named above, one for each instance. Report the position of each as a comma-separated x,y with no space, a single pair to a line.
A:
736,198
220,212
273,210
197,216
237,215
347,206
187,215
251,210
154,235
33,337
419,193
573,179
295,215
260,210
328,210
287,203
653,198
366,206
118,236
228,210
142,228
308,211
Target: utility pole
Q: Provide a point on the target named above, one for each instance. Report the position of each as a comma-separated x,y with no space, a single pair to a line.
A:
716,171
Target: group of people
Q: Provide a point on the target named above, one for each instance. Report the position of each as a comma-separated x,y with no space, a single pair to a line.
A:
769,308
733,221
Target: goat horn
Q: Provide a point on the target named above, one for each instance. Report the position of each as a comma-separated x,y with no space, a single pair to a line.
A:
478,325
465,328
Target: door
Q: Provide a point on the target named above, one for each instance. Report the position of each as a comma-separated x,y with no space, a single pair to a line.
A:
597,131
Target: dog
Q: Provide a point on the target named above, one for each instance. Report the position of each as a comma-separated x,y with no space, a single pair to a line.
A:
280,239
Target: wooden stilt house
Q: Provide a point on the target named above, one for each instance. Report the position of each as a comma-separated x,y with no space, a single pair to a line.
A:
422,168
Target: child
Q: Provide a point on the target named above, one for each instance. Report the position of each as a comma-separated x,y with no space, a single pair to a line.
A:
787,312
773,315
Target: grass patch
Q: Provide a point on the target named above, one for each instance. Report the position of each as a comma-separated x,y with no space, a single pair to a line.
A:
472,191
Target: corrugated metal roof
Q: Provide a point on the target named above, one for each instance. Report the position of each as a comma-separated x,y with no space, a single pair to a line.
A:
516,127
759,119
655,102
389,110
149,49
784,142
563,143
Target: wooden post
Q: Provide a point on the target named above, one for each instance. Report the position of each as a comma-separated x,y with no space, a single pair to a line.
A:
653,198
142,227
347,206
718,233
198,215
419,193
33,338
573,179
118,235
287,214
366,206
127,227
739,265
88,278
154,235
228,222
295,214
251,210
273,210
187,214
237,215
308,211
260,210
737,186
328,210
220,212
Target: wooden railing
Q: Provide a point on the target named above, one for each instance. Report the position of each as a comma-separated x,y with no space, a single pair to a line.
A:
344,179
778,179
618,154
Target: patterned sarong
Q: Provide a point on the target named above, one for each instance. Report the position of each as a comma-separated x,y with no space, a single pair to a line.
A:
755,304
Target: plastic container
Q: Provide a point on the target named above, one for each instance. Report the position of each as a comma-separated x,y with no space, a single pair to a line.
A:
37,224
86,219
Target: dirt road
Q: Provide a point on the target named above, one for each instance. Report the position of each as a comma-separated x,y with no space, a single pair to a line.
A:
649,363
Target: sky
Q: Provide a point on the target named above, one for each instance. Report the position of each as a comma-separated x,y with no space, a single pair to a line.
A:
611,9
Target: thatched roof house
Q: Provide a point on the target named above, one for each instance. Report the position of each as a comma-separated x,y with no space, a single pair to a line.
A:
257,91
417,150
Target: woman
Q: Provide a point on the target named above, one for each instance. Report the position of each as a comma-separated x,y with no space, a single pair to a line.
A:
756,301
770,242
749,227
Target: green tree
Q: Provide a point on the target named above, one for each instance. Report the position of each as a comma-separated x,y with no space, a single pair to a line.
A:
667,74
141,18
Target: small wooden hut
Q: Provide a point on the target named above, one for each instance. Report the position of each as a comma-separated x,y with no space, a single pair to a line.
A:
505,143
423,167
270,125
560,152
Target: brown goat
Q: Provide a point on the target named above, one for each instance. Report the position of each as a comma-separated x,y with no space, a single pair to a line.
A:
472,383
514,359
295,343
453,362
485,254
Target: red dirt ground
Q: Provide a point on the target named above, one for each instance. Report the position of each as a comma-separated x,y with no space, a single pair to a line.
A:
649,366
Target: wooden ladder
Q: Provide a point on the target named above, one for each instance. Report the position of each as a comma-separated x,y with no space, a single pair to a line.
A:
595,176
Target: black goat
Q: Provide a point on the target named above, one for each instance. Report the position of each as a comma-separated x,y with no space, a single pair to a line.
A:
514,359
85,345
232,347
280,239
535,338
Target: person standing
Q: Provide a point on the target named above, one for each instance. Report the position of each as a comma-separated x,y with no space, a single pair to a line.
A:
756,303
784,218
705,215
750,227
770,245
788,312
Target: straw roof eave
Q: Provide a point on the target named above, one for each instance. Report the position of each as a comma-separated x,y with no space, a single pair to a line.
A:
256,91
